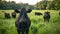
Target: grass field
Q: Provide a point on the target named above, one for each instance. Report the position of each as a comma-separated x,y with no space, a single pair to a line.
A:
38,26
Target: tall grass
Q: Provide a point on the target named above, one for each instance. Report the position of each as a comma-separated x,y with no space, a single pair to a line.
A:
38,26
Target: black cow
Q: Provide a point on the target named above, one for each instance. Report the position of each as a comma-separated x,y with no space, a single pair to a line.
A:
13,14
37,13
23,22
7,15
46,16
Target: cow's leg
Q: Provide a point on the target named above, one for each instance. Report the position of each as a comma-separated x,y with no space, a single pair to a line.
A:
22,32
27,31
44,20
48,20
18,31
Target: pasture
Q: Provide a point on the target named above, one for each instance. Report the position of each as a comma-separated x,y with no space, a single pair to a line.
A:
38,26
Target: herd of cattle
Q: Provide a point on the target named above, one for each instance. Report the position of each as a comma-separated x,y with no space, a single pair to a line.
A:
23,22
46,15
7,15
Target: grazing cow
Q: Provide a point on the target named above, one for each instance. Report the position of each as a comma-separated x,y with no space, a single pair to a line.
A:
13,14
23,22
7,15
46,16
37,13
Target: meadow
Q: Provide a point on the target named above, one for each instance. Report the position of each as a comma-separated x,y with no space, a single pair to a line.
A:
38,26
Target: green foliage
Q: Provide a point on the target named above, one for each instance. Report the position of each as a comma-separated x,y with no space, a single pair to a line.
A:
9,5
42,5
12,5
49,5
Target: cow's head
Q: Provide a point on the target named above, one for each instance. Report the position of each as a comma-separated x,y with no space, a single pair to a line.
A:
23,10
47,12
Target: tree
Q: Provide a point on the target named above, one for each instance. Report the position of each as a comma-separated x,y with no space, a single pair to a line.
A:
49,5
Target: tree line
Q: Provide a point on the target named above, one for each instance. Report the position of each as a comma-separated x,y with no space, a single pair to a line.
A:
12,5
48,5
42,5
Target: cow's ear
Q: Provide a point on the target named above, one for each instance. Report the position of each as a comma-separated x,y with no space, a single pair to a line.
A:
29,10
17,11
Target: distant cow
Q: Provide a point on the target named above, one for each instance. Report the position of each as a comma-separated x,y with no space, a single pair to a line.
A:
13,14
23,22
7,15
37,13
46,16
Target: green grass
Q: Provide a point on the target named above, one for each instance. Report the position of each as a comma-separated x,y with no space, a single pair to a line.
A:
38,26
